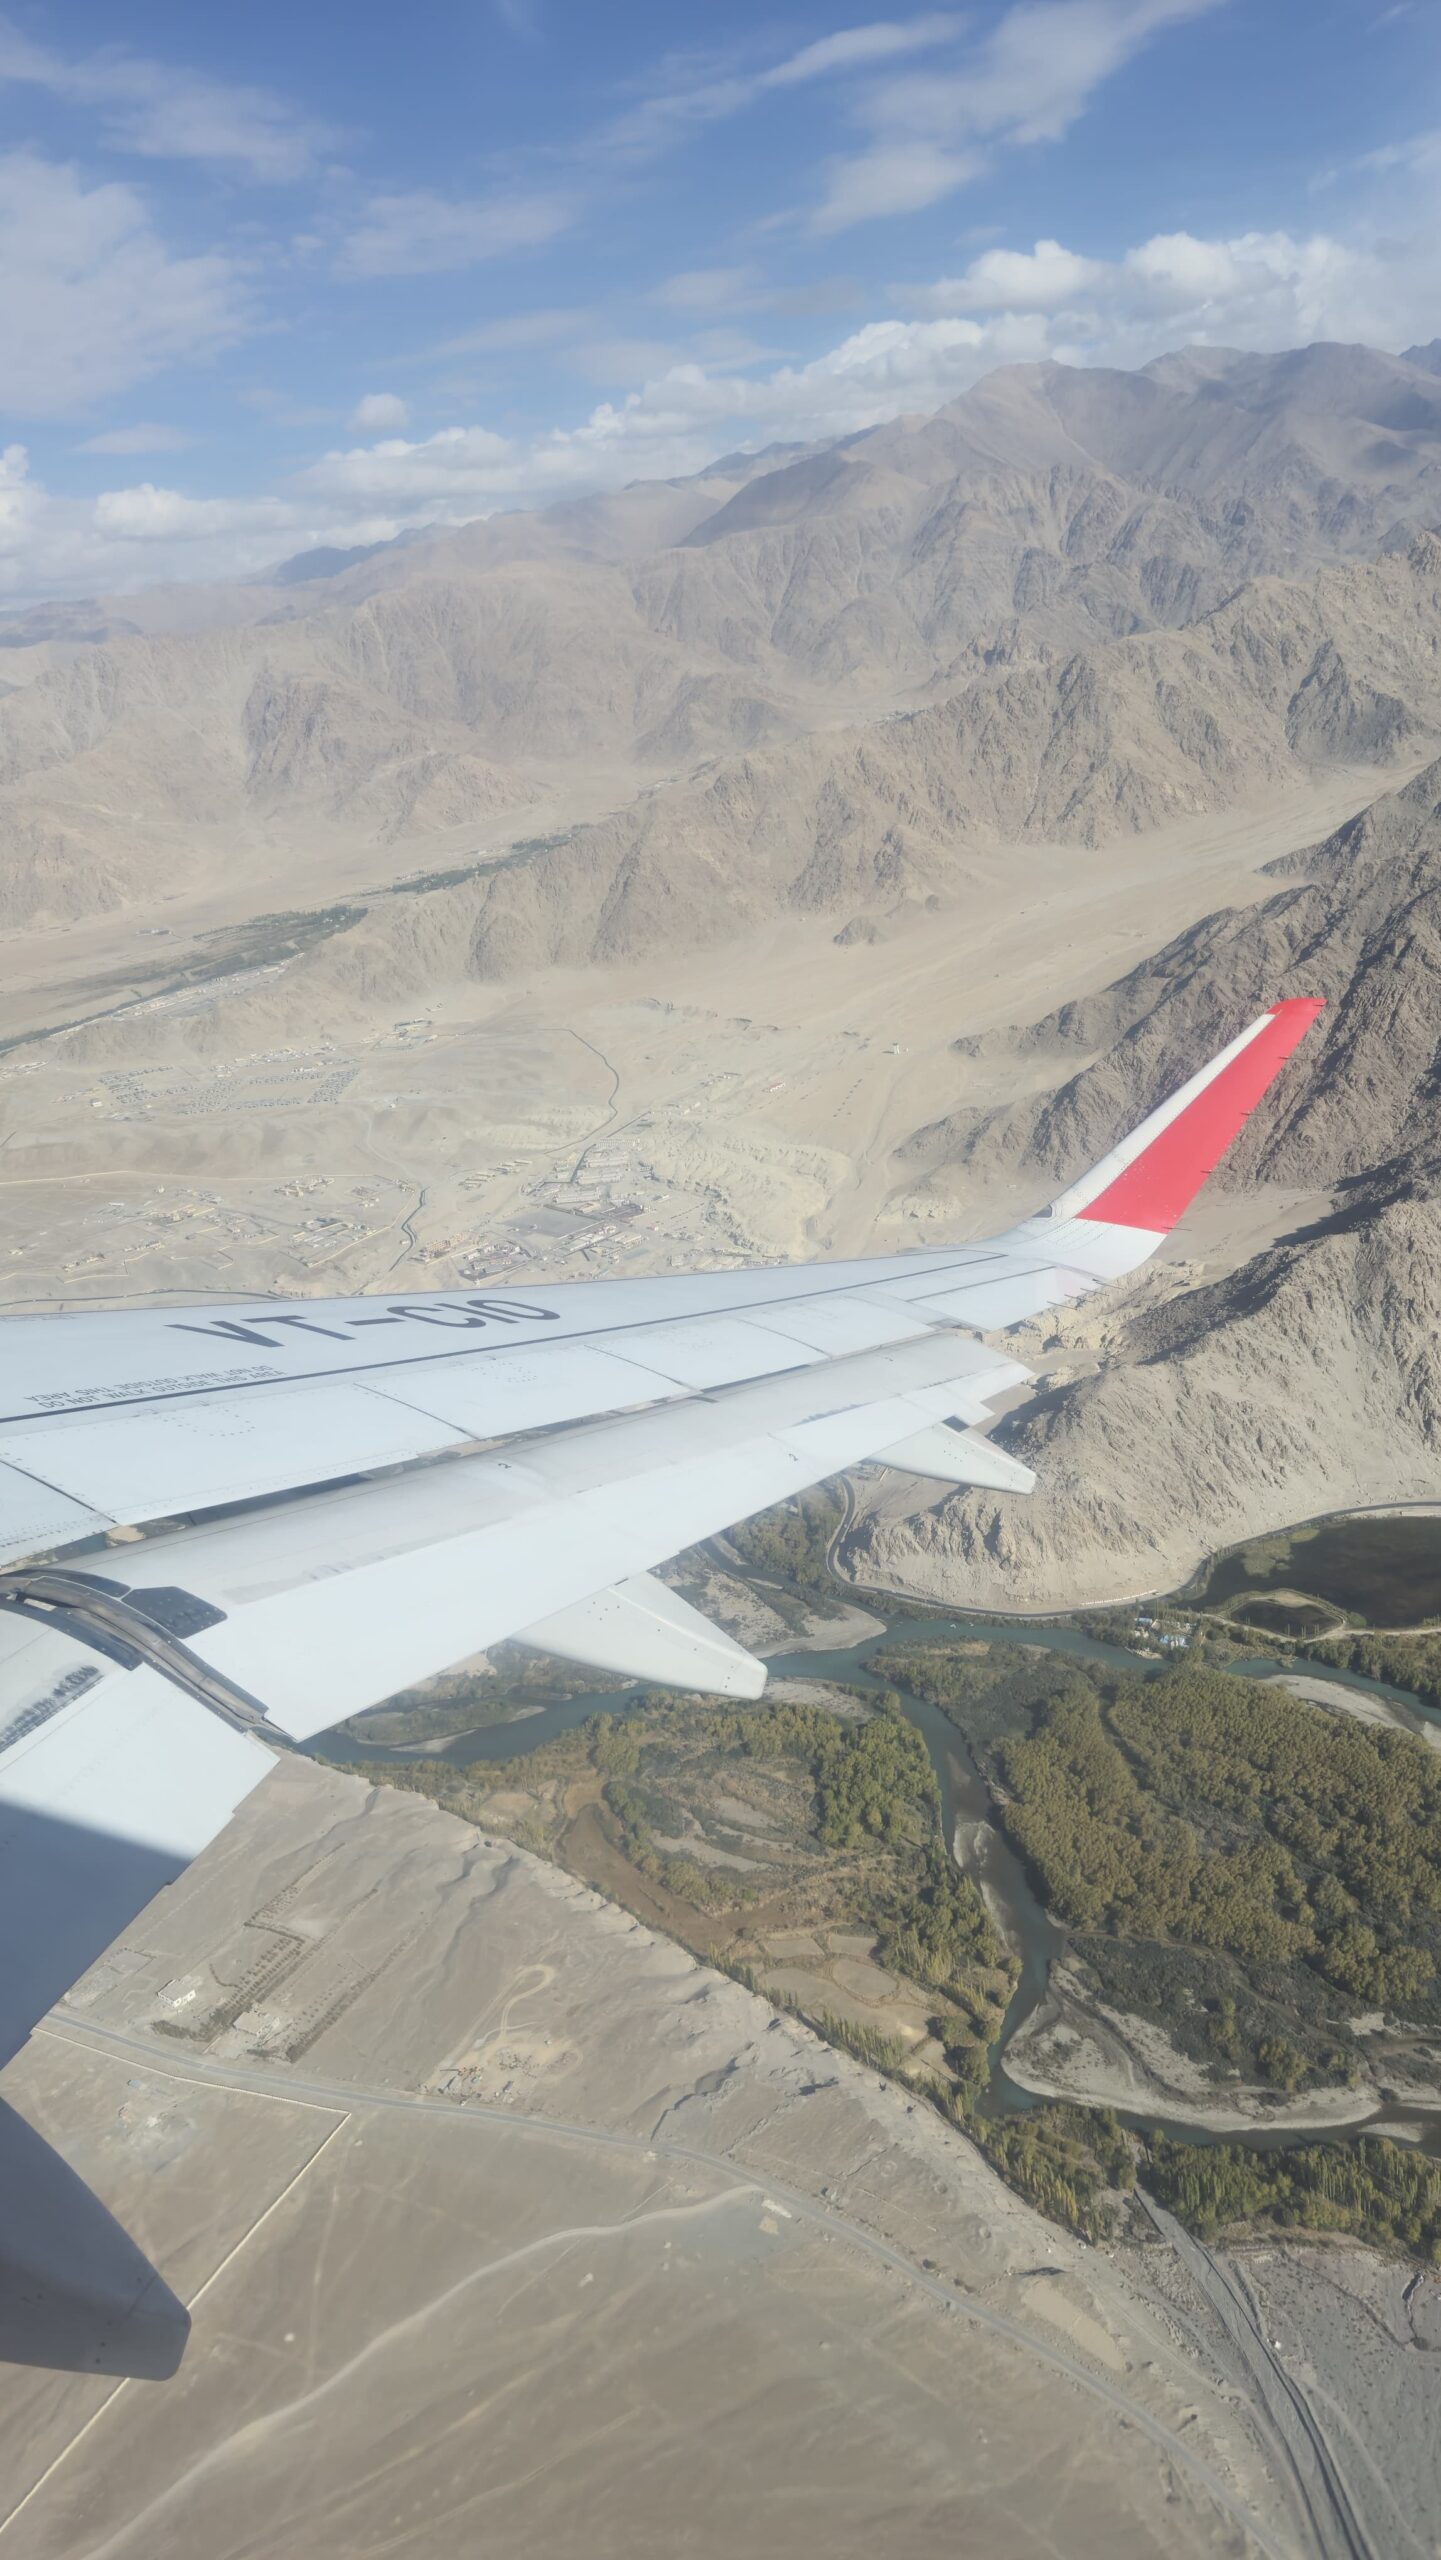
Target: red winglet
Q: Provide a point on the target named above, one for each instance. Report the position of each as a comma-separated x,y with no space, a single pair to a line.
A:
1158,1186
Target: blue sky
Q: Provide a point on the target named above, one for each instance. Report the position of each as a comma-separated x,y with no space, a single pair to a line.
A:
299,273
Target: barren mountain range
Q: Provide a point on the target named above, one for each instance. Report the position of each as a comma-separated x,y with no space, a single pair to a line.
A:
1005,569
875,695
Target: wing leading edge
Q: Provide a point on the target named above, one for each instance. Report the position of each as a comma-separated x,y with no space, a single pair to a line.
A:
546,1451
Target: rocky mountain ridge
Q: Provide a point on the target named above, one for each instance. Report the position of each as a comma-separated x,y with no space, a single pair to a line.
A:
1279,683
440,684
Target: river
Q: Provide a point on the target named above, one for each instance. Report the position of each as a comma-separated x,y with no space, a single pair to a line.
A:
967,1810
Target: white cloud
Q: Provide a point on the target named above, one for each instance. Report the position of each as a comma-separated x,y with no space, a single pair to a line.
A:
424,234
1418,155
144,437
148,514
91,300
1261,289
1256,289
378,412
893,177
1045,278
62,546
160,112
709,289
461,467
856,48
1038,69
20,498
514,330
674,423
1026,81
697,92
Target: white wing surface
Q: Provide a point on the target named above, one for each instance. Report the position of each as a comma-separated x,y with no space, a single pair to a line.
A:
344,1496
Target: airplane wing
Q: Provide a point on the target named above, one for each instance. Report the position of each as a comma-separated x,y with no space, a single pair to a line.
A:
343,1496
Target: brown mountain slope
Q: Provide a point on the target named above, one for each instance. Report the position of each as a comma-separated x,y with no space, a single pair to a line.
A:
438,681
1309,1377
1281,682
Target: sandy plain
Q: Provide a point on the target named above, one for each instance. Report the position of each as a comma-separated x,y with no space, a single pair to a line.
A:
512,2224
358,1114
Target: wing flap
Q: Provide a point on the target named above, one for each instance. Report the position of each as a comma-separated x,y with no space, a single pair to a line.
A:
953,1457
646,1631
330,1605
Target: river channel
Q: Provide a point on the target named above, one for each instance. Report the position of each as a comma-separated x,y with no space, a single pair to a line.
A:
968,1814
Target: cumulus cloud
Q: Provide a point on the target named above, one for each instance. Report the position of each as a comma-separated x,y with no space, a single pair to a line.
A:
56,545
676,422
148,514
378,413
1257,289
1045,278
1260,289
461,468
423,234
160,112
91,300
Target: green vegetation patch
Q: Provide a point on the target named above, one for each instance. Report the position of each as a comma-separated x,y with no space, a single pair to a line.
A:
1383,2192
1204,1808
468,1701
874,1782
873,1789
1071,2163
1247,1871
1403,1662
793,1542
1074,2164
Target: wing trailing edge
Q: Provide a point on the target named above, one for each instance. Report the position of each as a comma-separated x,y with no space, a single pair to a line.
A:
645,1631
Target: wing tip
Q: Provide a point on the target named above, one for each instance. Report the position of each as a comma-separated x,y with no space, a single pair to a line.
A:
1154,1185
